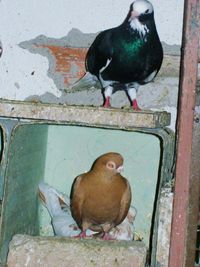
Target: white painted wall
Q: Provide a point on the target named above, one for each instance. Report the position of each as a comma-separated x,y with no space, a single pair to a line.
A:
22,20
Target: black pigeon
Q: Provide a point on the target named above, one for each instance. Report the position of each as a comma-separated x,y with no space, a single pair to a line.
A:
127,56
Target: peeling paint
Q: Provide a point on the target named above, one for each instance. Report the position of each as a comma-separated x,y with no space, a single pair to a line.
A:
63,25
66,56
67,65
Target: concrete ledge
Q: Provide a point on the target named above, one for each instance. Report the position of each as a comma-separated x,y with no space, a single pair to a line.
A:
31,251
84,115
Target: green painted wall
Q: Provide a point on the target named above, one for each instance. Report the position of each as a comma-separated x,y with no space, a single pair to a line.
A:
71,150
25,167
1,138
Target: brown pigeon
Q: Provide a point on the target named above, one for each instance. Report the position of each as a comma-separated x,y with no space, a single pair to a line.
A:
100,198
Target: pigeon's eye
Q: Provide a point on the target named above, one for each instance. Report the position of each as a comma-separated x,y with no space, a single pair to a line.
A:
147,11
111,165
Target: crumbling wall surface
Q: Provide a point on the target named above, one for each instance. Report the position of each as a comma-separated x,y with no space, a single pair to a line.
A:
164,227
44,45
63,252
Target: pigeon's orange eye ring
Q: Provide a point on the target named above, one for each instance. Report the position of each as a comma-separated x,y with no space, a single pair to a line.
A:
111,165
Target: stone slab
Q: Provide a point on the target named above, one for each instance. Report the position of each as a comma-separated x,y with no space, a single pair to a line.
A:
29,251
85,115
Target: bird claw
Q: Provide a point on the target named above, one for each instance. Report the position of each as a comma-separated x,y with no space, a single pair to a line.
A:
135,105
81,235
106,236
107,103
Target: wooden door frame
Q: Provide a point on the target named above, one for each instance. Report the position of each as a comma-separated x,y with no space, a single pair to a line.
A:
187,174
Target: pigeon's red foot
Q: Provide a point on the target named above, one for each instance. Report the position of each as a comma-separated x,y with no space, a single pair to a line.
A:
81,235
106,236
107,102
135,105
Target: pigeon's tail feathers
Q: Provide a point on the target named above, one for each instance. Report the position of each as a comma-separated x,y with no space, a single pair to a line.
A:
65,226
64,200
88,81
62,221
49,196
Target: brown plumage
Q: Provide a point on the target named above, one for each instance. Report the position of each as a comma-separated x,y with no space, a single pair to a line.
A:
100,198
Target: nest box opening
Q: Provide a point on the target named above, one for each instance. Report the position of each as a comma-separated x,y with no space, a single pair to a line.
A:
56,153
71,150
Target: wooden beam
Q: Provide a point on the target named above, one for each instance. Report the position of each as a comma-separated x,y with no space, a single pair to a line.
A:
194,194
184,173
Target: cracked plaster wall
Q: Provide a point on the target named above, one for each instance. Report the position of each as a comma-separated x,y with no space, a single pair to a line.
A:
37,63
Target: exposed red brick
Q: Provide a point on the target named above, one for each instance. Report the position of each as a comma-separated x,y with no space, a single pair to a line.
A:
69,62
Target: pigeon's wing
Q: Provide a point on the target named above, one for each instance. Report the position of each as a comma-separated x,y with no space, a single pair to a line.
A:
124,205
100,52
77,199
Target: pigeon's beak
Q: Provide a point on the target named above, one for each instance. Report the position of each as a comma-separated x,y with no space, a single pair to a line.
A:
134,15
120,168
